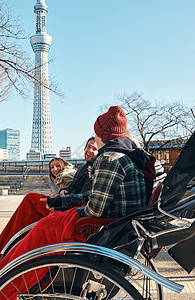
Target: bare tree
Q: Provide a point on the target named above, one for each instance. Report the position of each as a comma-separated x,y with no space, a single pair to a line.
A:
17,70
156,120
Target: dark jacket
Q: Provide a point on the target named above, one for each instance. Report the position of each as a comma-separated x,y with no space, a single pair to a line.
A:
139,157
81,182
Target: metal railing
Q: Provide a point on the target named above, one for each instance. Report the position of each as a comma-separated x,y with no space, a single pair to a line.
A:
7,166
21,180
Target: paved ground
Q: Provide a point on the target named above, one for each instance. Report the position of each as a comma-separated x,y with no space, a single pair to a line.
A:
171,270
166,265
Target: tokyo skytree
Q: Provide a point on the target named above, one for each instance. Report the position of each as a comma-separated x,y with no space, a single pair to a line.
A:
41,43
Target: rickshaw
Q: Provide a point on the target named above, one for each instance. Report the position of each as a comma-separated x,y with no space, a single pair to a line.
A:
117,261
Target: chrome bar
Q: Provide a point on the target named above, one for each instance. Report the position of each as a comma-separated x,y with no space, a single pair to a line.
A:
22,231
184,221
55,296
136,224
94,249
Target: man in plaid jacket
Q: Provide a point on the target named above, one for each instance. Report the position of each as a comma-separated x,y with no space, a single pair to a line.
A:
118,185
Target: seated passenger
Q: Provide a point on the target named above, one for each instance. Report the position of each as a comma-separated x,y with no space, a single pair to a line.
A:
31,209
81,180
157,172
61,173
118,189
160,173
149,170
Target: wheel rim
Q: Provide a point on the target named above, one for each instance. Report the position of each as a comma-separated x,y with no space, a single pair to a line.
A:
149,289
67,281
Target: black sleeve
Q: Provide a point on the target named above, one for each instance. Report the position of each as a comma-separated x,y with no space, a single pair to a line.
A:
68,201
54,202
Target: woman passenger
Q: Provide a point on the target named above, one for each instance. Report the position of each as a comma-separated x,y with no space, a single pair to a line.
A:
31,209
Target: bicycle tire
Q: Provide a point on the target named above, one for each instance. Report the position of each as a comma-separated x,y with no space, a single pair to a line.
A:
148,289
84,274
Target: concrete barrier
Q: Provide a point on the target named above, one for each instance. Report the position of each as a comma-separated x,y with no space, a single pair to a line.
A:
4,190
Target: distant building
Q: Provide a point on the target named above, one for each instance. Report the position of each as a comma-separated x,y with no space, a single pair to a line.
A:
167,151
49,156
65,153
34,154
4,155
10,140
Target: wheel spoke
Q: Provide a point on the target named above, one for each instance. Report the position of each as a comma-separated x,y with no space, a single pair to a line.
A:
149,289
66,277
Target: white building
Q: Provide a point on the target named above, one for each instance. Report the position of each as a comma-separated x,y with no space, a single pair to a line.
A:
33,154
65,153
4,155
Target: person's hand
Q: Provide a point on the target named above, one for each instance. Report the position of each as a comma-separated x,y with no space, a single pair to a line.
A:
50,208
89,171
45,200
52,203
63,192
52,195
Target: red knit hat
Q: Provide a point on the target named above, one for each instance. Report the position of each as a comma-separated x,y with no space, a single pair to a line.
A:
112,124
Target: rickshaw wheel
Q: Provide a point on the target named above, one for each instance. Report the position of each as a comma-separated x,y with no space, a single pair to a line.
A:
147,287
71,276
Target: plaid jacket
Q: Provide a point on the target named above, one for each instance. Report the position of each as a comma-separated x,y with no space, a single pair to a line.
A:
118,187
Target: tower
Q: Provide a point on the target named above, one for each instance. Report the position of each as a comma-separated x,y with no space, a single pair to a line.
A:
41,43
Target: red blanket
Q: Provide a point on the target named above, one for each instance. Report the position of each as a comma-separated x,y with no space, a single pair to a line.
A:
56,228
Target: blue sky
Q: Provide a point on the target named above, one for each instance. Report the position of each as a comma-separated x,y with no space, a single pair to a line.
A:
104,48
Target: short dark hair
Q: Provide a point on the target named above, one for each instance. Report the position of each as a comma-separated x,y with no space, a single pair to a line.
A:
90,139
